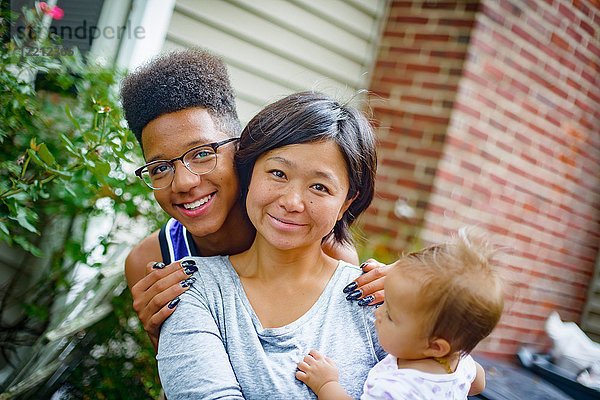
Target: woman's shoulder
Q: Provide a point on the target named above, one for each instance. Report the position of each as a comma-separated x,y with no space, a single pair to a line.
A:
349,270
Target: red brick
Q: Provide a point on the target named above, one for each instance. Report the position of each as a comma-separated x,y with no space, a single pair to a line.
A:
523,139
552,71
432,37
492,14
476,132
470,166
484,47
456,22
450,177
574,34
404,50
497,36
565,11
434,69
457,55
588,77
511,7
493,72
427,152
594,49
418,100
532,22
560,42
467,110
582,7
552,18
527,55
518,30
475,78
439,5
410,20
430,118
507,94
439,86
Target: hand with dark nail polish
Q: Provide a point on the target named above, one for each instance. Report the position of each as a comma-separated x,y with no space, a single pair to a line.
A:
366,300
187,282
350,287
188,263
158,265
355,295
174,303
189,270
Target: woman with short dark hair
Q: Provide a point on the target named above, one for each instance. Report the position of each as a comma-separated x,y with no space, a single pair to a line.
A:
306,168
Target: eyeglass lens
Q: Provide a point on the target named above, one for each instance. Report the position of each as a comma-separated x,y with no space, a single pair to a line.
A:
199,161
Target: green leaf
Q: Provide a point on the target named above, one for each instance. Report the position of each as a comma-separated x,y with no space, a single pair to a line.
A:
102,168
62,174
28,246
23,219
90,136
69,145
45,154
36,158
70,116
4,228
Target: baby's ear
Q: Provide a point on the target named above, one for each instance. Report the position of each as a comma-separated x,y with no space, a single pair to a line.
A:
438,347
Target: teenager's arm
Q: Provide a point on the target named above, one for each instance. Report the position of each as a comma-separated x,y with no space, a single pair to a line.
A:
479,383
152,289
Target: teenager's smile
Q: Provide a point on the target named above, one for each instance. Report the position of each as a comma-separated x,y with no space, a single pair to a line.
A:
200,202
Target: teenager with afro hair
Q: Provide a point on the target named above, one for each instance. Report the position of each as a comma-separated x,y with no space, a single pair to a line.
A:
181,108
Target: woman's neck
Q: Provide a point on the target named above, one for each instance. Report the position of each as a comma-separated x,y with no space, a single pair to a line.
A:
235,235
269,264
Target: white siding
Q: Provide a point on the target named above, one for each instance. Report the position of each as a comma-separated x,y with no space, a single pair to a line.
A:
276,47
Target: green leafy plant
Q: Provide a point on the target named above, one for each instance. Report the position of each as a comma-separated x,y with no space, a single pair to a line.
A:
66,161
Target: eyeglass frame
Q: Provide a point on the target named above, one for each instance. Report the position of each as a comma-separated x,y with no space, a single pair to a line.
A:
214,146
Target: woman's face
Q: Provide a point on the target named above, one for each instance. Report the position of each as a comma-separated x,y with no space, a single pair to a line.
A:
200,203
297,193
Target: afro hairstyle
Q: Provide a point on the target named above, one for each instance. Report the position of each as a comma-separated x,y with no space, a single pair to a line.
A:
177,81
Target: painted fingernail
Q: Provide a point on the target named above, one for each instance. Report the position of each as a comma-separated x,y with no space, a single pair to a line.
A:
158,265
366,300
190,270
188,263
187,282
350,287
363,265
354,295
174,302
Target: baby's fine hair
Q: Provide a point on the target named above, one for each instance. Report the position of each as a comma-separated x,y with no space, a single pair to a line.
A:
177,81
461,292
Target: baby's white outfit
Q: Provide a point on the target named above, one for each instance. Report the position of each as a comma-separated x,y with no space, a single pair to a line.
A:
387,381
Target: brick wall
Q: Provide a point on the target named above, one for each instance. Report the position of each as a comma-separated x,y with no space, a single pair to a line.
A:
518,150
414,85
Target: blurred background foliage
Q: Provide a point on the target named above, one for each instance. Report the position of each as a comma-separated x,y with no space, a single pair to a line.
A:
66,192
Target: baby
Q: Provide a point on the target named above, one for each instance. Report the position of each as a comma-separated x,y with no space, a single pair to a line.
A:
439,303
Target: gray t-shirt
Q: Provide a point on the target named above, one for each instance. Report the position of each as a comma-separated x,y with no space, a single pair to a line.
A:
214,347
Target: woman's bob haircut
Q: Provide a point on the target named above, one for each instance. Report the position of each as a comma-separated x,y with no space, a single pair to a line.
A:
311,117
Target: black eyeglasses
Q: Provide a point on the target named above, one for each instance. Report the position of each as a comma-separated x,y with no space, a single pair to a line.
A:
198,160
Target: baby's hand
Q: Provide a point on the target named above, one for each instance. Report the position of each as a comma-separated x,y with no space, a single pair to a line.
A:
315,371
